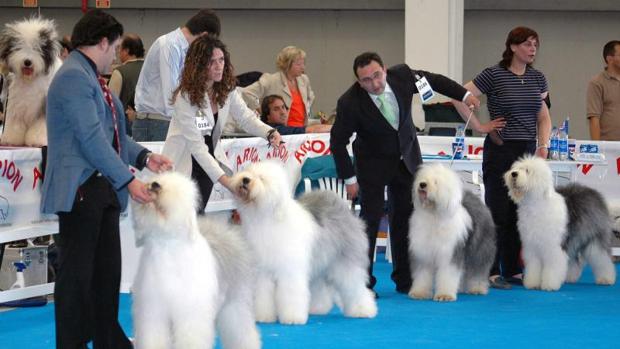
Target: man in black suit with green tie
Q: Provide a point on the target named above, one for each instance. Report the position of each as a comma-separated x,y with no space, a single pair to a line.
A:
377,107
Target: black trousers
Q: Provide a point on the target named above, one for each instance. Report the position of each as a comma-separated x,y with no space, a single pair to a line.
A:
400,208
497,160
86,294
205,185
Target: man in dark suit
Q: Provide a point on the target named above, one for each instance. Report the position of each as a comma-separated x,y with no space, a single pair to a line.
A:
377,107
87,183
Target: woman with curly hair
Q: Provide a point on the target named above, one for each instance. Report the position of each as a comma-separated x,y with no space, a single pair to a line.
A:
204,100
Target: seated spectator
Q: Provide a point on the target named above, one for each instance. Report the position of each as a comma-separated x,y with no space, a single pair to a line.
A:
274,113
290,82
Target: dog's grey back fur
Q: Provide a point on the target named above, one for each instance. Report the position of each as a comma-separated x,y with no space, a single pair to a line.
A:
588,219
478,252
342,234
234,262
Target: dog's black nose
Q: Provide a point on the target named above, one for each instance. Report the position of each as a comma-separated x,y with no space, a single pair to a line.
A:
514,174
422,185
27,62
155,186
245,180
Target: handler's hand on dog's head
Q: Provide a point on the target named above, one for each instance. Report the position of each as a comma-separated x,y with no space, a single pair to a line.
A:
227,183
138,191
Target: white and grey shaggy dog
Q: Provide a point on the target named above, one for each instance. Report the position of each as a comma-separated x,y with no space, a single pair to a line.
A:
194,275
559,229
30,50
451,237
310,253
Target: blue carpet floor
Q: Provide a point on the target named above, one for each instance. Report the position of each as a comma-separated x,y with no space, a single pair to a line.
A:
578,316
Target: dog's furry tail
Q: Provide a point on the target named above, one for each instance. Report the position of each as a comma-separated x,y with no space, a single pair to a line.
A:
229,249
588,218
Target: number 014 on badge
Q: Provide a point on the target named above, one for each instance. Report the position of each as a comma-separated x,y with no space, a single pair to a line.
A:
424,89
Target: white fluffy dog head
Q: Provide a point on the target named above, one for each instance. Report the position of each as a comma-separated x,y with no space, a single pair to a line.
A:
29,47
437,188
173,210
262,183
529,176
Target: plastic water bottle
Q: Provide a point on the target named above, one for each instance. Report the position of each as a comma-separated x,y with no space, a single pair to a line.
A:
563,143
554,149
459,146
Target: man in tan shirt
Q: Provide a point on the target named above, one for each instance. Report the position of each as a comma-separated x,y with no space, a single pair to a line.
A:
603,97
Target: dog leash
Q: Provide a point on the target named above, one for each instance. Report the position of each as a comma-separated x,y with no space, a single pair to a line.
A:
464,131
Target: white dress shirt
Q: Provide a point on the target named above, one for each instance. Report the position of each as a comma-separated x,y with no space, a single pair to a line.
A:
161,73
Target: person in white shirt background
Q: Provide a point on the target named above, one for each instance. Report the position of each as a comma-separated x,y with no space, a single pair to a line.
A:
161,72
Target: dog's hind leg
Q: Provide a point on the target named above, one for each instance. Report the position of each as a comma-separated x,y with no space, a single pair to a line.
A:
477,284
264,299
292,298
236,325
350,282
575,267
602,265
321,297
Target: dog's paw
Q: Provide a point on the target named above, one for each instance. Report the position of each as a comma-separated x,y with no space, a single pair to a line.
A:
444,298
420,294
530,284
368,310
571,279
478,290
550,286
605,281
292,319
266,317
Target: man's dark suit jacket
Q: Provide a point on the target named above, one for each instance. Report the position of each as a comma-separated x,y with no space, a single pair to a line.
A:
378,147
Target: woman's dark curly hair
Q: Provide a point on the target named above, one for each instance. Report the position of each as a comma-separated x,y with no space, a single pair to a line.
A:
195,73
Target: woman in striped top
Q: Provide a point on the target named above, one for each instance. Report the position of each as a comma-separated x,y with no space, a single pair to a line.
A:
520,124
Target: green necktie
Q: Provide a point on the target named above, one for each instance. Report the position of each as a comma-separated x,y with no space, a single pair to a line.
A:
386,109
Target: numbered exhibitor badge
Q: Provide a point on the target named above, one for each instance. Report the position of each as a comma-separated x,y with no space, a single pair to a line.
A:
203,123
424,89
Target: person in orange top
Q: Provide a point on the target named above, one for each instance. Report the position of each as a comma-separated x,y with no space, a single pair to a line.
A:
290,82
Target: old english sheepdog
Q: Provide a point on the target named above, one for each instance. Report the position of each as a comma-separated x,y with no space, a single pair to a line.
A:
31,51
451,237
310,253
194,275
559,229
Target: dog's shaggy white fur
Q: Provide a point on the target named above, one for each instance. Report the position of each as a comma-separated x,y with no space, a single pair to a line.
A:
310,253
192,276
559,229
30,50
451,237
